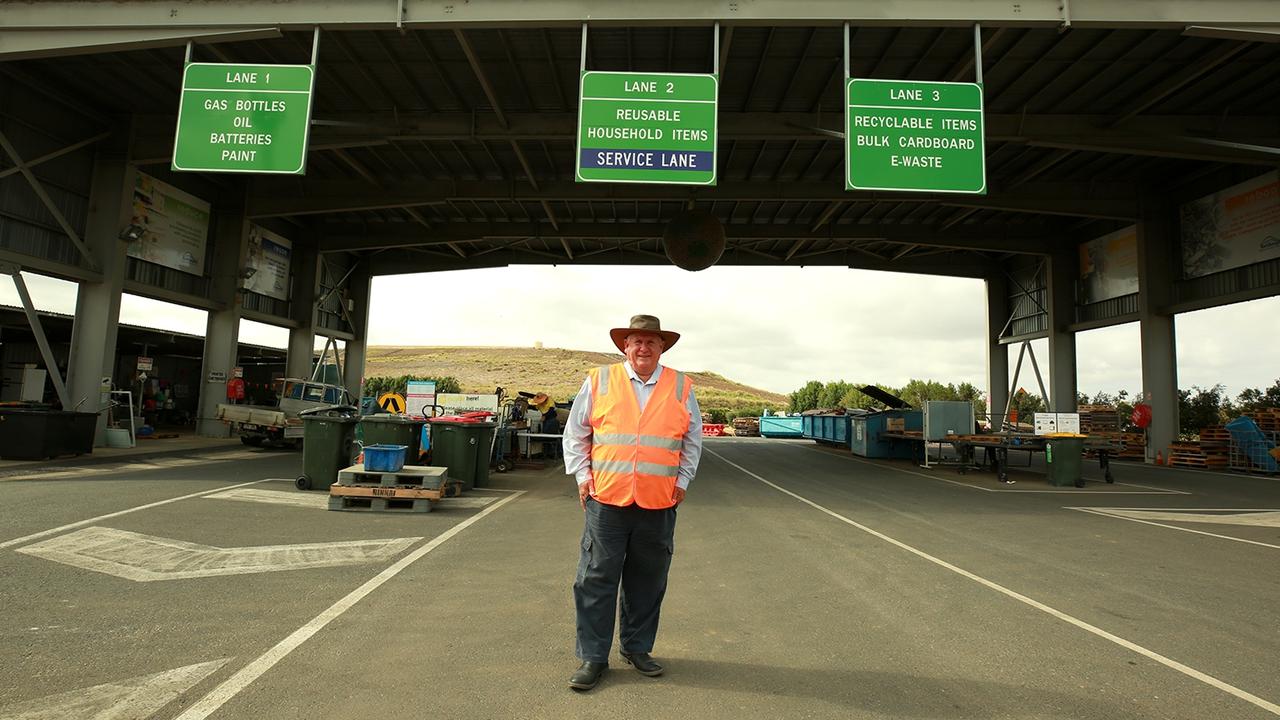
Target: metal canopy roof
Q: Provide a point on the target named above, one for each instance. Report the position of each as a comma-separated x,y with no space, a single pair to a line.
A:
448,147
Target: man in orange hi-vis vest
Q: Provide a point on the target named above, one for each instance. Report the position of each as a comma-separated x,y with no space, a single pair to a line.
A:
633,441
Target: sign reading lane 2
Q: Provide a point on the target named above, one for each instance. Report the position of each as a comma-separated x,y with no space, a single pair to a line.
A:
647,128
922,136
244,118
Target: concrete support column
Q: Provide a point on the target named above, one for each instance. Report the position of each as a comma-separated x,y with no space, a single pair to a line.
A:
1061,273
93,335
997,354
1157,253
303,311
359,289
222,334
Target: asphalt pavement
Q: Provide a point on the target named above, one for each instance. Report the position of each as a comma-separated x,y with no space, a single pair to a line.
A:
806,583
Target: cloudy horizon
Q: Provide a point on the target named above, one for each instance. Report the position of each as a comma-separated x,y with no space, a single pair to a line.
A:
771,328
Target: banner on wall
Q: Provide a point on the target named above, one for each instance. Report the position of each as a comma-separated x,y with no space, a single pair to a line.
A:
176,226
1233,227
269,259
1109,265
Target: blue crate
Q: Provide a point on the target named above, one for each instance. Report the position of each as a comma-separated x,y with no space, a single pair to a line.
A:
384,458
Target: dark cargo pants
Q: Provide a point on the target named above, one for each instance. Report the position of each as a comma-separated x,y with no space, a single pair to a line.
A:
631,546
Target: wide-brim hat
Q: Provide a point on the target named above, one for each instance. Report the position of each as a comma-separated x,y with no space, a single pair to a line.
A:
643,324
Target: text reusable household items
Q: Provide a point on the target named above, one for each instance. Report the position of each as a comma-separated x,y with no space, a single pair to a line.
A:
647,128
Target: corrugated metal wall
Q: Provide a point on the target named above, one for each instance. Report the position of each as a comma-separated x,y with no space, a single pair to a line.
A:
37,126
1251,277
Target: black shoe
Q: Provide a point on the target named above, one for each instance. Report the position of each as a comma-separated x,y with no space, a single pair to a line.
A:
644,663
587,675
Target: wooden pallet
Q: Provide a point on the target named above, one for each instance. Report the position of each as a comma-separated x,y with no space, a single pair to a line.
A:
396,493
380,504
420,476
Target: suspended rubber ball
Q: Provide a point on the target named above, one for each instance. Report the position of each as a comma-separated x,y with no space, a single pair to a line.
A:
694,240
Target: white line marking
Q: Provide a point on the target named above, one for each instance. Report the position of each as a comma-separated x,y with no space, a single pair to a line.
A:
59,472
137,697
92,520
274,497
1174,527
971,486
148,558
1191,672
1247,518
231,687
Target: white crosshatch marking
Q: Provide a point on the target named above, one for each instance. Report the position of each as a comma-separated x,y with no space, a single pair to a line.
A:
147,558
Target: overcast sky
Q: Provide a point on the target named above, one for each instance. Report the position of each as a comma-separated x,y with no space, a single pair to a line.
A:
773,328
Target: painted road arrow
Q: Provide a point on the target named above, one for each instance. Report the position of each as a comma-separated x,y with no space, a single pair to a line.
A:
137,697
147,558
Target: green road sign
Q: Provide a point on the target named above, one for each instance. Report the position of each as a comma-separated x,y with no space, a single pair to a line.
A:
244,118
647,128
924,136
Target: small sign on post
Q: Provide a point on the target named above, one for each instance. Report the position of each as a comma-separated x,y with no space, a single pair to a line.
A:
145,364
647,128
915,136
244,118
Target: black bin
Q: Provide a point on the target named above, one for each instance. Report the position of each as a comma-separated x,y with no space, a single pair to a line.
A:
36,434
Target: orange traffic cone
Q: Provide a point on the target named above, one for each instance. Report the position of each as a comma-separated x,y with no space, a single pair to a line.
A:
1159,458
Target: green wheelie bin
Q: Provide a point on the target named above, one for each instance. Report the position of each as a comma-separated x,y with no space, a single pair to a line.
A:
464,446
1062,456
328,445
394,430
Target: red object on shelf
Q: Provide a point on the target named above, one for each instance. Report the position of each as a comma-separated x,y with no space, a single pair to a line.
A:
712,429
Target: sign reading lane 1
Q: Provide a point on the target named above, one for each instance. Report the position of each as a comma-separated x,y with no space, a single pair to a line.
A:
647,128
922,136
244,118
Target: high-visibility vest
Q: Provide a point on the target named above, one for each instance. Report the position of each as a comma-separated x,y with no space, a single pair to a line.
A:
635,456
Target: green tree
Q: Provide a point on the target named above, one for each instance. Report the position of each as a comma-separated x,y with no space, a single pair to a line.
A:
833,394
1199,408
806,398
1253,399
375,386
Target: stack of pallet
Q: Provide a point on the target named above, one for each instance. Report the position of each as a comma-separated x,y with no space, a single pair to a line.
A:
746,427
1098,419
1133,446
1210,452
412,488
1268,420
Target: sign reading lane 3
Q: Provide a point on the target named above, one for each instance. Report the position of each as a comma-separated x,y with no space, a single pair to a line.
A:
244,118
647,128
922,136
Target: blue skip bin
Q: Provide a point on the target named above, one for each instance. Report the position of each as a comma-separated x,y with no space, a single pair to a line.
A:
384,458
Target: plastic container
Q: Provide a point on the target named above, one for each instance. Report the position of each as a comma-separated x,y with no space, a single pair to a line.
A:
393,430
328,445
1062,453
118,438
384,458
464,445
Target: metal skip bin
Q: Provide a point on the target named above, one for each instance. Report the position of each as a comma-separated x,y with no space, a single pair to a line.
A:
830,429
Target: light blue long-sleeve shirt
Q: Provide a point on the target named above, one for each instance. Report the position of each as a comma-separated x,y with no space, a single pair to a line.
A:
577,431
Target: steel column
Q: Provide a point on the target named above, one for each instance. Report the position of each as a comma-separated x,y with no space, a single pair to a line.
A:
1157,252
222,334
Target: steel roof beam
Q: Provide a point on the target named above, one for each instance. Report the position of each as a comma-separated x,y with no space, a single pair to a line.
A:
469,233
1101,200
1000,127
483,79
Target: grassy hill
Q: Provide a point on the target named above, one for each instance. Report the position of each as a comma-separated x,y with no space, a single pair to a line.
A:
557,372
